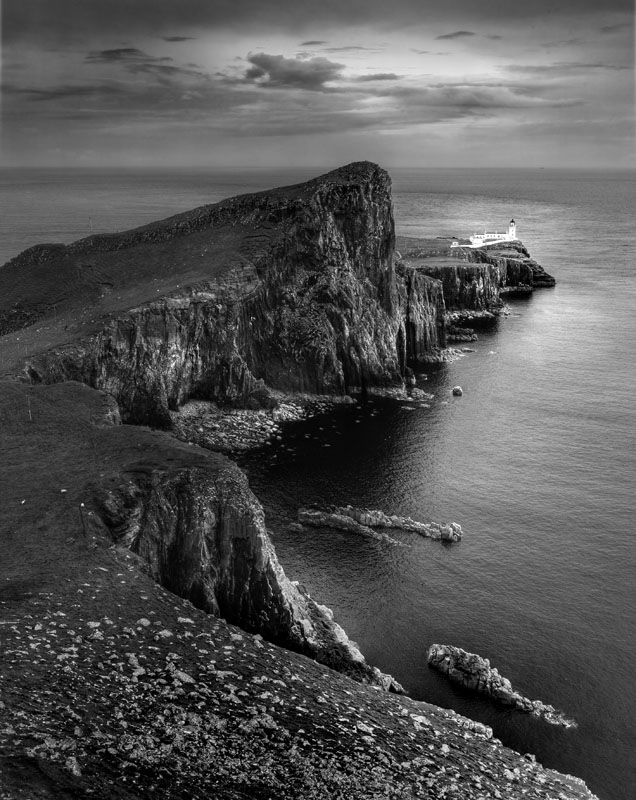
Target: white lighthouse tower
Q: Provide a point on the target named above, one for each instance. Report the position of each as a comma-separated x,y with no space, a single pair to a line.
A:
512,231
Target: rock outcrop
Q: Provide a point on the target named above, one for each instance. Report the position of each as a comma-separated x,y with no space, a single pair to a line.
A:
520,271
202,535
475,281
364,520
474,672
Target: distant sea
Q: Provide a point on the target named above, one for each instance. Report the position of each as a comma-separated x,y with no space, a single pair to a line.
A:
536,461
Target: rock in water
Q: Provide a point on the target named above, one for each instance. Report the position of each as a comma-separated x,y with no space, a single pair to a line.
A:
364,520
474,672
458,391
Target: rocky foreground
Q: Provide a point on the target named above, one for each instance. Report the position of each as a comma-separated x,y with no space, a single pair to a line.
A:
152,644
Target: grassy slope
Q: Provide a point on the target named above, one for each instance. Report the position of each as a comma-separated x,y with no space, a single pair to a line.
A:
75,293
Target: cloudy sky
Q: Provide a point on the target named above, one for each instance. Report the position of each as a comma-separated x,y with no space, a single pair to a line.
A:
291,82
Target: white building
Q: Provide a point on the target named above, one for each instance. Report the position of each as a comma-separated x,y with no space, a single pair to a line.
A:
483,239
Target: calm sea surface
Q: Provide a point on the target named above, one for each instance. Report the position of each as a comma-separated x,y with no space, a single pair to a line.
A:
536,461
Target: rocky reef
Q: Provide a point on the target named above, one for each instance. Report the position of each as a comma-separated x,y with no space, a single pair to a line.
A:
474,672
365,520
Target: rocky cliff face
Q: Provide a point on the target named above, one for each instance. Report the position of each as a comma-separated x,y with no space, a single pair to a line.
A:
474,287
516,268
474,280
303,298
202,535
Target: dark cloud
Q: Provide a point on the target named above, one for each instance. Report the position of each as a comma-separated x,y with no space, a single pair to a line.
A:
380,76
456,35
65,19
350,48
563,67
277,71
615,28
136,61
312,43
121,54
466,98
62,92
178,38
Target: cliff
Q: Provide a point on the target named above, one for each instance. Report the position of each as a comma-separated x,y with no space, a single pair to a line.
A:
475,279
293,289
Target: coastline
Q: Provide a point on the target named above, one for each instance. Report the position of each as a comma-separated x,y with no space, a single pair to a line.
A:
370,734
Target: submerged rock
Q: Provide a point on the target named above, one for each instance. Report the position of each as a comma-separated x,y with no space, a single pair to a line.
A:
474,672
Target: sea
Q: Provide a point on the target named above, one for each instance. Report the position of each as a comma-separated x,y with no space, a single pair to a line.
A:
536,460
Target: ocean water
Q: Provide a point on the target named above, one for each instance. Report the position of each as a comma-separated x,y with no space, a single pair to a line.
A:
536,460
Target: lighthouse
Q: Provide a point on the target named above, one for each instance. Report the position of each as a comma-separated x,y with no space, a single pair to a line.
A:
484,239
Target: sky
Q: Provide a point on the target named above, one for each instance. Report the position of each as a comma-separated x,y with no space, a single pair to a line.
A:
269,83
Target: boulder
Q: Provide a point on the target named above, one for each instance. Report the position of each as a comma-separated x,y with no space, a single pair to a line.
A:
475,673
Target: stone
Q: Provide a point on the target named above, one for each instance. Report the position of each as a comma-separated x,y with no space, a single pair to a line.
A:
475,673
457,391
366,520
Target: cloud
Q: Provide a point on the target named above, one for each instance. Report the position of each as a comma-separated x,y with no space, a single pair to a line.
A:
312,43
456,35
379,76
121,54
350,48
561,68
65,91
64,19
178,38
615,28
136,61
466,98
280,72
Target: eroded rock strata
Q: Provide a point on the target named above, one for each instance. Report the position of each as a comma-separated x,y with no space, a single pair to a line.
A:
474,672
202,535
475,281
